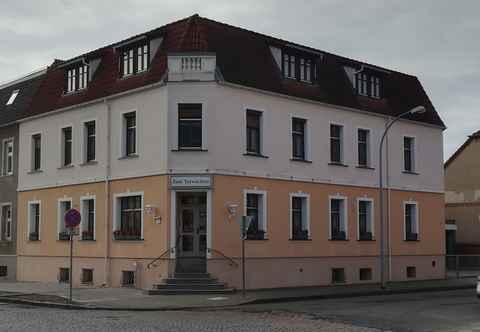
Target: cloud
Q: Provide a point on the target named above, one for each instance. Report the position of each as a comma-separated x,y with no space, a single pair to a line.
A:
436,40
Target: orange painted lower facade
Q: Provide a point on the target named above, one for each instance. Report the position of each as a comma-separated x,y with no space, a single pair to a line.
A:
276,261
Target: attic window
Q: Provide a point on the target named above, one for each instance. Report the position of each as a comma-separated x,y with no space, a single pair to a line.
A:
135,59
299,67
12,97
368,85
77,78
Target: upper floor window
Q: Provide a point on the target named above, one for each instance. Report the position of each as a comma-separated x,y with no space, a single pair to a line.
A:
36,152
67,146
409,154
368,85
338,219
298,138
289,68
8,157
363,147
135,59
298,67
90,141
254,119
77,78
336,148
411,221
190,126
306,70
13,96
130,130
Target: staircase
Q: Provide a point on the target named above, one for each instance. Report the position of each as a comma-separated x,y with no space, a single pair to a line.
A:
190,283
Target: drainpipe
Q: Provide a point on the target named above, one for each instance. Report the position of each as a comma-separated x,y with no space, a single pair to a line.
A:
107,197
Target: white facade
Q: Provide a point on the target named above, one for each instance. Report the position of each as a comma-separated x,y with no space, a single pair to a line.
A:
223,140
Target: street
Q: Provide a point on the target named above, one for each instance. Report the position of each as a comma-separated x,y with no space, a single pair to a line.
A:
438,311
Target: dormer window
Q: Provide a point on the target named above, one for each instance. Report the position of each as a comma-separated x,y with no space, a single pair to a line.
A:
12,97
135,60
298,67
367,85
77,78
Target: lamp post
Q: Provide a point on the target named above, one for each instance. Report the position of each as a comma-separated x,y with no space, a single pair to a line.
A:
415,110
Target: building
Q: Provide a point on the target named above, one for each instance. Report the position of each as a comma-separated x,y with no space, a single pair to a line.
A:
15,100
164,140
462,185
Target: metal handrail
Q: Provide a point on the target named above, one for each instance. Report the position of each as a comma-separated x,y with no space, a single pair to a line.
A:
232,262
169,250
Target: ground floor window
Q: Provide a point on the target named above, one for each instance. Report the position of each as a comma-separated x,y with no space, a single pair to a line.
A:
128,278
365,220
88,219
6,221
255,205
3,271
129,218
34,221
411,221
63,207
338,218
299,210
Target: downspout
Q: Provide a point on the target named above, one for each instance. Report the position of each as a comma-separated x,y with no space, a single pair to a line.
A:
387,173
107,198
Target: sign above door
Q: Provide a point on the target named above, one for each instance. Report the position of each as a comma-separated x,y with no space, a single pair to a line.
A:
190,181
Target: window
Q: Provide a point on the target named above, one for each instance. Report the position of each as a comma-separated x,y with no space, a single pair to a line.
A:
363,147
338,219
336,148
255,208
88,219
6,221
67,146
299,210
254,119
13,96
190,126
90,141
34,221
64,274
368,85
8,157
77,78
130,125
36,152
299,67
129,218
365,274
63,207
411,272
298,138
338,276
409,154
128,278
3,271
306,70
135,60
87,276
411,221
365,220
289,70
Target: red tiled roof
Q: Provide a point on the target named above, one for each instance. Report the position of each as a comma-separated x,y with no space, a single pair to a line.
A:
243,58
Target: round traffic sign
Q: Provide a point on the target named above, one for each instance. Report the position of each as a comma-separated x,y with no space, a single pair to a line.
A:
72,218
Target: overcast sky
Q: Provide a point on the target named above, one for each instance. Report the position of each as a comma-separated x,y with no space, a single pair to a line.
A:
436,40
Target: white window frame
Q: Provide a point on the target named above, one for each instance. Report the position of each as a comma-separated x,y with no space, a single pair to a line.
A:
342,142
262,128
117,207
62,146
345,214
85,140
305,208
372,215
29,215
263,208
32,152
6,155
83,213
417,221
369,145
3,235
413,152
123,134
60,217
306,136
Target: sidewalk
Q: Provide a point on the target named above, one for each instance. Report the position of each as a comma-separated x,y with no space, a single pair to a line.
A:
53,295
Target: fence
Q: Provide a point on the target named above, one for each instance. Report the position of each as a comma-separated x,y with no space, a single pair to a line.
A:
462,266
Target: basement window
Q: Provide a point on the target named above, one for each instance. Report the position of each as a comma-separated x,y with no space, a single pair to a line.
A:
411,272
87,276
12,97
338,276
64,274
128,278
365,274
3,271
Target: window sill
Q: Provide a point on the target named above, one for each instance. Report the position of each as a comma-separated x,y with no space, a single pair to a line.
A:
365,240
365,167
189,150
35,171
88,240
65,167
253,154
75,92
265,239
130,156
337,164
33,240
129,241
341,240
5,175
301,160
138,73
89,163
411,240
410,172
300,240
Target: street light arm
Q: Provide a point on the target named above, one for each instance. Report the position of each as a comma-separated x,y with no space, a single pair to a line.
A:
388,127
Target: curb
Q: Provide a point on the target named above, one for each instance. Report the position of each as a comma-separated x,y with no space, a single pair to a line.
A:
66,306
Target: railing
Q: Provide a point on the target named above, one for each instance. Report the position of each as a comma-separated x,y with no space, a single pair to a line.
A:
167,251
232,262
462,266
191,63
191,67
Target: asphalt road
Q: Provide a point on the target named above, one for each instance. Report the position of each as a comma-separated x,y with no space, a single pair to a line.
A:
437,311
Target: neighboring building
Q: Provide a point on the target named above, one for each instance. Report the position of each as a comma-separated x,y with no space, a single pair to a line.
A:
164,140
15,100
462,198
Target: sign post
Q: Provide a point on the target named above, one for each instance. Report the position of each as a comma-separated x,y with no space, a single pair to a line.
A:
72,220
245,223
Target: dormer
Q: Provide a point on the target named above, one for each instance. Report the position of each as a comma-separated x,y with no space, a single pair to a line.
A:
297,63
135,56
366,81
77,77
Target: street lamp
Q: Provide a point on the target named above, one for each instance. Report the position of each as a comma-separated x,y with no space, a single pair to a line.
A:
415,110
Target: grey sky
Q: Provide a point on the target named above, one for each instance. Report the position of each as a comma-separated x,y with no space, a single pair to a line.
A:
436,40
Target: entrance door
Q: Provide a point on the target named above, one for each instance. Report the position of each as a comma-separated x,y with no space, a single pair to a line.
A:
192,224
